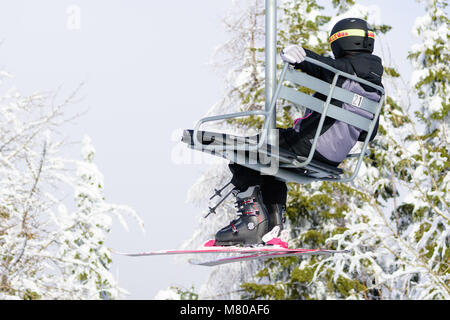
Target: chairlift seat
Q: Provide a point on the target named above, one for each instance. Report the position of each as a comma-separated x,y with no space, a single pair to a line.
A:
285,157
293,167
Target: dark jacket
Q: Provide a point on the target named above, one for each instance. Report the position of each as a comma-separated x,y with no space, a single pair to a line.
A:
365,65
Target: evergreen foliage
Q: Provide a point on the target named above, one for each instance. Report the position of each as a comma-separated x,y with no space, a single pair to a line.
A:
54,219
394,217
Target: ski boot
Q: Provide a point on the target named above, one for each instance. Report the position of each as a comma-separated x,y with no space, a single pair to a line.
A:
276,234
252,223
276,215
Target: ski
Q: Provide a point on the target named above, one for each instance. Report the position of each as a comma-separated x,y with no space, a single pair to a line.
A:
263,256
208,247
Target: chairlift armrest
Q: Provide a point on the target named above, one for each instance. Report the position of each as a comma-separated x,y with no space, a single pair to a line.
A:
197,142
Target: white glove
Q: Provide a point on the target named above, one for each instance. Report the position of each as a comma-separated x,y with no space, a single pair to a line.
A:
293,54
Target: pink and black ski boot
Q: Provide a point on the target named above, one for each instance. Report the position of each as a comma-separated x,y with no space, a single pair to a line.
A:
252,223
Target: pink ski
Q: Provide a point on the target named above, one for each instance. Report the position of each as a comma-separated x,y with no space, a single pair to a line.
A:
272,246
287,253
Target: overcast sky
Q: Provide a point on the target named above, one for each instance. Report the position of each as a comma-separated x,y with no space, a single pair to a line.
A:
146,74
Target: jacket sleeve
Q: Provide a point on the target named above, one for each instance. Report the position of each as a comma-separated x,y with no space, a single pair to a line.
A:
318,72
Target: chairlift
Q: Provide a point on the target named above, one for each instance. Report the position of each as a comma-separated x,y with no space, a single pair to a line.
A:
261,152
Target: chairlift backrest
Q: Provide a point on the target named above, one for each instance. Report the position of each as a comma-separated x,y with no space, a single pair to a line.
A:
337,93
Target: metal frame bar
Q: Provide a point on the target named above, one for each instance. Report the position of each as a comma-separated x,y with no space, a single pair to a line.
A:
271,62
316,104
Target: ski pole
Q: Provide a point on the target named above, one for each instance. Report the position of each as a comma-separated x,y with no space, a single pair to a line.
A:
218,192
213,209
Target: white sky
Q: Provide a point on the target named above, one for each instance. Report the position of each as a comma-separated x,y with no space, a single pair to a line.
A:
145,64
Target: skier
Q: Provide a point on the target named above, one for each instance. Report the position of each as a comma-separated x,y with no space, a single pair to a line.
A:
261,199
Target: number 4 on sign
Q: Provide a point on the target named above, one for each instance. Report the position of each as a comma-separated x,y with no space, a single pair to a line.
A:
357,100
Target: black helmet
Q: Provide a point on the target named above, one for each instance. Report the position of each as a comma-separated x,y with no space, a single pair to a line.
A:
351,34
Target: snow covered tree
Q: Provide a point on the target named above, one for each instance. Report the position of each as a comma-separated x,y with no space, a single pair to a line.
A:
52,245
243,58
406,230
423,169
316,211
394,216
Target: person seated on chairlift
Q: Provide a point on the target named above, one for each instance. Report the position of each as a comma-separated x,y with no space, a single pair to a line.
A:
261,199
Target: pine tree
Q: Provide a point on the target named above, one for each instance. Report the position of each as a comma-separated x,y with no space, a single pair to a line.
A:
424,211
395,215
50,247
407,214
244,57
319,214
